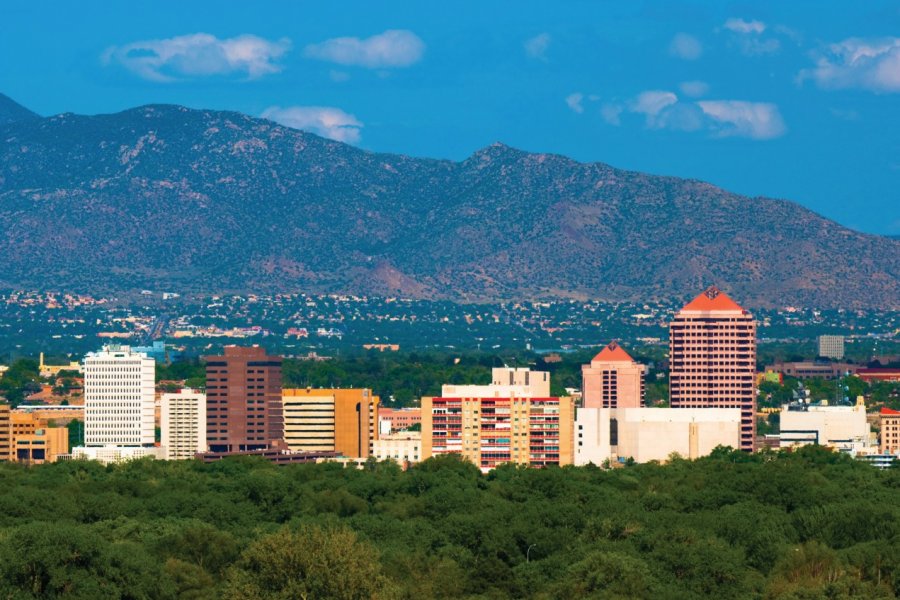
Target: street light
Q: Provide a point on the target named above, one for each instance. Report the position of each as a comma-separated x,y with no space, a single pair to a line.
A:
528,553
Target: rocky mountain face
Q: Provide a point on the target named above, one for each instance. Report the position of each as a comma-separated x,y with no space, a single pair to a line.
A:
166,197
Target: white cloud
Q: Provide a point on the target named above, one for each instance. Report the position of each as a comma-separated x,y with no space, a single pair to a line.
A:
871,64
651,103
685,46
199,54
326,121
694,89
612,113
537,46
574,101
742,26
748,37
756,120
393,48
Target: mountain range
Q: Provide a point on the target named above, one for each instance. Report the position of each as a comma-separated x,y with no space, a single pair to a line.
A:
170,198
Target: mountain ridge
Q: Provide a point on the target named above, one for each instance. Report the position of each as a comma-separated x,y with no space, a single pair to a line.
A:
164,196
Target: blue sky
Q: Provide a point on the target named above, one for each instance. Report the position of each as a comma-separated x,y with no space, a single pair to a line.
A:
793,100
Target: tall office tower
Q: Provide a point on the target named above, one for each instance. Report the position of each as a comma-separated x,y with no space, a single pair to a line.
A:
243,400
182,422
712,359
613,380
333,420
831,346
119,390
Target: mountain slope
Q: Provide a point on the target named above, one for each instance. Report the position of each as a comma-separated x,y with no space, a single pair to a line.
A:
168,197
11,111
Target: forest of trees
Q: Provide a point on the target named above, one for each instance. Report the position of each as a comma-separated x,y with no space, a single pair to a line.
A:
807,525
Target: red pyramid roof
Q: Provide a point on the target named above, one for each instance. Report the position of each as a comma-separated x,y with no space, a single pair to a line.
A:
612,353
889,411
712,299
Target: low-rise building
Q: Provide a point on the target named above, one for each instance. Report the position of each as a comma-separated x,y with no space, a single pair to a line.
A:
114,454
404,447
878,374
44,444
843,428
647,434
397,419
809,370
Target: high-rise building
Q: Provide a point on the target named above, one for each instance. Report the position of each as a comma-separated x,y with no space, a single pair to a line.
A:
493,430
712,359
831,346
331,420
119,394
243,400
513,419
182,420
613,380
890,431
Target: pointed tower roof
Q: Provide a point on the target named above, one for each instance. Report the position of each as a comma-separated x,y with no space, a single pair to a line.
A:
612,353
889,411
712,299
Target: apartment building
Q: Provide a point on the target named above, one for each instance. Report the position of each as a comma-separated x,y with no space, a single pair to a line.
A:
183,424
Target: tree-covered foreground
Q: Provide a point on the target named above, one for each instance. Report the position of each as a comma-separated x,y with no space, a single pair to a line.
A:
805,525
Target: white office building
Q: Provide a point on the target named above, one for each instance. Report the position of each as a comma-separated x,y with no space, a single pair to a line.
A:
645,434
843,428
182,419
118,400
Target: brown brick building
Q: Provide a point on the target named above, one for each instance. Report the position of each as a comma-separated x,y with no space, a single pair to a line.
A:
243,400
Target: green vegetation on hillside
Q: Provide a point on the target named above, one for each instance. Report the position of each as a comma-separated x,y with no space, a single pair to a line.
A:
807,525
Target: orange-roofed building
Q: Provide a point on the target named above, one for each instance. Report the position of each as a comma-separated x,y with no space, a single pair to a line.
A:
890,431
613,380
712,359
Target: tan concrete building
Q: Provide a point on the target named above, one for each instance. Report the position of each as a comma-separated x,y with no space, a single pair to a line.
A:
890,431
646,434
337,420
493,430
44,444
613,380
183,424
6,442
404,447
712,359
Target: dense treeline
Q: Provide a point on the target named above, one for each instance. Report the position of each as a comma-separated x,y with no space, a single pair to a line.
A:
808,525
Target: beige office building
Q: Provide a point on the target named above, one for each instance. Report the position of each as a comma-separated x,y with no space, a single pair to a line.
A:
712,359
404,447
646,434
613,380
183,424
331,420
